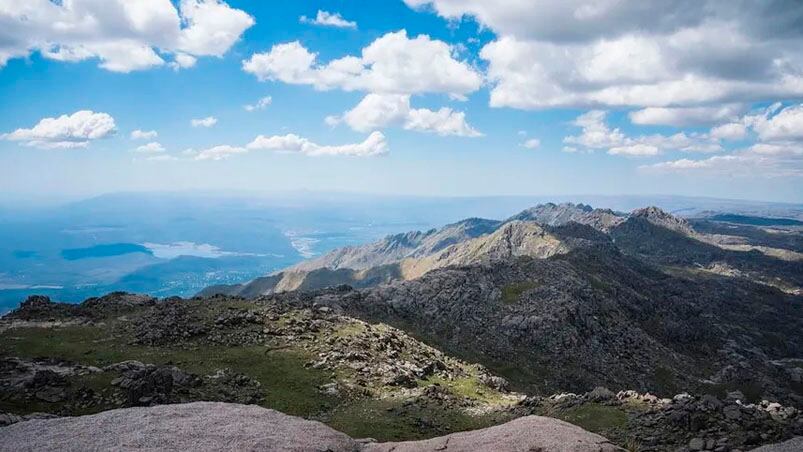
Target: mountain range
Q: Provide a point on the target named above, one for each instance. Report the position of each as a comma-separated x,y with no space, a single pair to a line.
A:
656,331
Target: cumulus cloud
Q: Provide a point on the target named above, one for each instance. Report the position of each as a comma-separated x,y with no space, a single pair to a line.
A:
327,19
532,143
729,131
786,125
653,53
218,152
123,35
374,145
261,104
597,134
66,131
686,116
144,135
153,147
183,61
209,121
392,64
635,149
745,164
778,151
443,122
382,110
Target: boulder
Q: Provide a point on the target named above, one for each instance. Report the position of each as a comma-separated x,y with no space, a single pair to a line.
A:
793,445
199,426
530,433
212,426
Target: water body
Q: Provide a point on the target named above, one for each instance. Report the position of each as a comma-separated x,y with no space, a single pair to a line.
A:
105,250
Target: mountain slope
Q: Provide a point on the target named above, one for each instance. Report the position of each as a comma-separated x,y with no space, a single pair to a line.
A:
595,316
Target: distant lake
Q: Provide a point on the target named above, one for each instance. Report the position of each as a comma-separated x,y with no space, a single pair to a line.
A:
106,250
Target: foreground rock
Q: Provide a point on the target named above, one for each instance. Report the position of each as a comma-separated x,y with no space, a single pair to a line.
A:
793,445
523,434
208,426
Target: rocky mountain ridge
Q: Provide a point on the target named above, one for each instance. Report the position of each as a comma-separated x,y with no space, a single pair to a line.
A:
649,233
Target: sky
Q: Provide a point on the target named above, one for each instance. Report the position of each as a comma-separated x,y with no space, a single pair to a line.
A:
419,97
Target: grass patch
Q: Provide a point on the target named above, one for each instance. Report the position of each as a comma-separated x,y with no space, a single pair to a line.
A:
290,387
594,417
469,387
350,329
511,293
393,420
89,345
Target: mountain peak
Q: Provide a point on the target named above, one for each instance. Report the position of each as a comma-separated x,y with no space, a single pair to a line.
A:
659,217
551,214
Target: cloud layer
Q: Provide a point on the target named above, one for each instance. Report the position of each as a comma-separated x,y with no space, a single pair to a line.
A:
635,53
392,64
374,145
124,35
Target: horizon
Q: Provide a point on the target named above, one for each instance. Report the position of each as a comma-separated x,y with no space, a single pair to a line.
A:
35,203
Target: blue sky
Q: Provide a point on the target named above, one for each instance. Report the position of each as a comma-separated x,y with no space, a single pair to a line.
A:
439,97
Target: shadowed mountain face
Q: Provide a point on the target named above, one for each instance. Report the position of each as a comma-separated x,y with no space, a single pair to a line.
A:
595,316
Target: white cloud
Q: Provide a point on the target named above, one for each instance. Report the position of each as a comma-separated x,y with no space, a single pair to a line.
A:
150,148
260,105
144,135
729,131
777,153
775,125
124,35
328,19
374,145
686,116
377,111
183,61
67,131
209,121
744,164
218,152
392,64
636,149
639,53
442,122
212,27
532,143
596,134
381,110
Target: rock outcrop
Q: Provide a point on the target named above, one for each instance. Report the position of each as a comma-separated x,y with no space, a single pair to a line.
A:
210,426
523,434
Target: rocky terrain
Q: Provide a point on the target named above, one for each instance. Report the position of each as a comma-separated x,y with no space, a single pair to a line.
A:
123,350
657,332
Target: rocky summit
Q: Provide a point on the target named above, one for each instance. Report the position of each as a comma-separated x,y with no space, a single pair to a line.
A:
656,332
